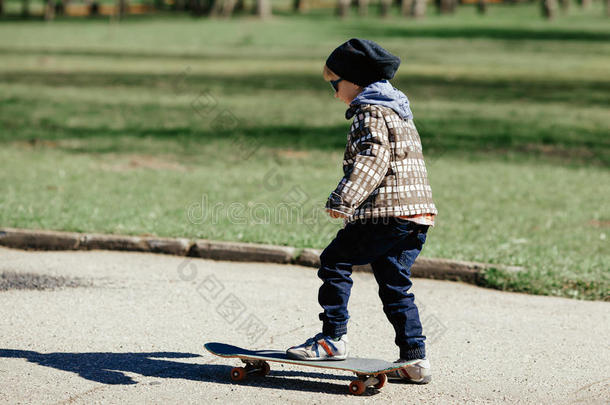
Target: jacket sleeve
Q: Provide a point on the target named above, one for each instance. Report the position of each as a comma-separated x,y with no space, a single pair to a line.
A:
369,166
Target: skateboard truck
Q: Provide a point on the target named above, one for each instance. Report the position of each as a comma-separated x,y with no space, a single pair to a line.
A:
357,387
258,367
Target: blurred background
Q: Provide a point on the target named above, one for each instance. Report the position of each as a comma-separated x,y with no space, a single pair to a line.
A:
211,119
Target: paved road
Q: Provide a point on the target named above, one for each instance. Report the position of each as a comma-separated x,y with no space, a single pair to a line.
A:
136,336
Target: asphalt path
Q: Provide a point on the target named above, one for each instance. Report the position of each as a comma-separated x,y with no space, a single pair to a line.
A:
130,328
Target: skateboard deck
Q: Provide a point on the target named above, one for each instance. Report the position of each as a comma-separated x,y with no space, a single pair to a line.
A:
370,372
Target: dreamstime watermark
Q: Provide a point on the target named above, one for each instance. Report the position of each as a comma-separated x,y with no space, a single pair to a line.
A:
313,211
295,206
251,213
226,303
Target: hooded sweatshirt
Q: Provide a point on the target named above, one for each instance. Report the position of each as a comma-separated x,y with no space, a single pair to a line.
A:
383,93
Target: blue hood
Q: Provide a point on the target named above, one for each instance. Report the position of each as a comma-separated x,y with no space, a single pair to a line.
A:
383,93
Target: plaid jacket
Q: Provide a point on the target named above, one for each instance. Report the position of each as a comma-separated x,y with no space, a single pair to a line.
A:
383,167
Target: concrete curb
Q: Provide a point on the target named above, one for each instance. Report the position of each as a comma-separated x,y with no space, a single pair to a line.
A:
438,269
28,239
179,246
243,252
39,240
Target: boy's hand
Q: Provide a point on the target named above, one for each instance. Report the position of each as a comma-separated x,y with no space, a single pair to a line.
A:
335,214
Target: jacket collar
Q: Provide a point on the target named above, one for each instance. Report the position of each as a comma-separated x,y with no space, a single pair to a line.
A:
384,94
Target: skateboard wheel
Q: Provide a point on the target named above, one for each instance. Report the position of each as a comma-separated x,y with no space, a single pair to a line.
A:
382,380
357,387
238,374
265,369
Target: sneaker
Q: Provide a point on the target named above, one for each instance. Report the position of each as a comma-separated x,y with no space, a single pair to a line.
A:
320,347
415,372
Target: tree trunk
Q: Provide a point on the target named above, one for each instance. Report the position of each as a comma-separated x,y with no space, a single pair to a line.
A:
60,7
419,8
179,5
585,4
300,6
194,7
263,8
482,6
406,8
1,7
343,8
25,8
549,9
216,8
384,8
565,5
445,6
363,7
49,10
607,8
121,8
94,8
227,8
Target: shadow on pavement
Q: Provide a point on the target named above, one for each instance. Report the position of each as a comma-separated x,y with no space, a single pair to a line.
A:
109,368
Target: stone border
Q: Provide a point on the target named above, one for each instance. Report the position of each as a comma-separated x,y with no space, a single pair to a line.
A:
28,239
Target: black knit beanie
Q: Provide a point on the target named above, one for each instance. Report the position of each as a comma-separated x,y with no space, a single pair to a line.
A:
362,62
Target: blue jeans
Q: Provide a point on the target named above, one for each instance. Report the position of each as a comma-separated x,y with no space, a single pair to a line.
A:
390,245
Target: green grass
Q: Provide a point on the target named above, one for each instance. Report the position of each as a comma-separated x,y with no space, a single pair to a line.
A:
115,128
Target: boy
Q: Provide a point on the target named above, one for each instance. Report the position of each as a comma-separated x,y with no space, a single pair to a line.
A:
386,202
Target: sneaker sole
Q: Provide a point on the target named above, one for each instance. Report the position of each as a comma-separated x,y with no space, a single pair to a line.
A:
425,380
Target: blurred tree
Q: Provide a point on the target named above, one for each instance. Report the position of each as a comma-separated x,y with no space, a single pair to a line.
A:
228,7
225,8
49,10
565,5
363,7
195,7
446,6
121,8
94,7
406,8
482,6
607,8
384,7
585,4
201,7
179,5
60,7
549,9
25,8
299,6
419,8
343,8
1,7
263,8
215,8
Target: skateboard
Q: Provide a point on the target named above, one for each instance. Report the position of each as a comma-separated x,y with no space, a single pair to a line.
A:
369,372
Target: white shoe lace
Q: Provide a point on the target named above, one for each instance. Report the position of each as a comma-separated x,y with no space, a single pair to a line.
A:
313,342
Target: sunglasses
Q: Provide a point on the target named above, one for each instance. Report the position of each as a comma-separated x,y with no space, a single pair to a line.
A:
335,84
